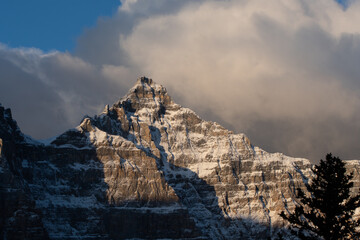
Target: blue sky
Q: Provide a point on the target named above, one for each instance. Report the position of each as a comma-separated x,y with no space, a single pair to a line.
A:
50,24
53,24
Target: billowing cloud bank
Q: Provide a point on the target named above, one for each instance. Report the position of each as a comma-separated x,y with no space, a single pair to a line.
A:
283,72
51,92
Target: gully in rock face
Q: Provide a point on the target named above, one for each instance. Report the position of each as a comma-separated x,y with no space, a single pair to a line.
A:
145,167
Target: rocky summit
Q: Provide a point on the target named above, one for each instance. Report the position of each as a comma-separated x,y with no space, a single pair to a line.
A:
145,168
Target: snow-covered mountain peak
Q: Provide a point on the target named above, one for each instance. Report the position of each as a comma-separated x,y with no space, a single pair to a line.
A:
146,160
145,91
145,80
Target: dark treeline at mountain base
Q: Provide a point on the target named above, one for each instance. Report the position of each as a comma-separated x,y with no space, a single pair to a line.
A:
327,210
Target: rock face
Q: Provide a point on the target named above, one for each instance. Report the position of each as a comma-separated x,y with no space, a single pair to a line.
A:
144,168
19,217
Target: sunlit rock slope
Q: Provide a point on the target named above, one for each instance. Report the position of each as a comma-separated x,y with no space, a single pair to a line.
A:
144,168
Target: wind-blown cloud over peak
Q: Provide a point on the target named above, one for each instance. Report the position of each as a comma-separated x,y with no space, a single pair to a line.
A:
284,72
50,92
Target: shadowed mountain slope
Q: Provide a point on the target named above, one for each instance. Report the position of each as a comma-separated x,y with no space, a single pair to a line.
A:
144,168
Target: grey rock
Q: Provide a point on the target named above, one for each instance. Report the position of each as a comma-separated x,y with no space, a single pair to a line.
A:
144,168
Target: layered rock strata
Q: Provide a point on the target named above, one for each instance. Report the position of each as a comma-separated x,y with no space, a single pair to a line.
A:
147,168
19,217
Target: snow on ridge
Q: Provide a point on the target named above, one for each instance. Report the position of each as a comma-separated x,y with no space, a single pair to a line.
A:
147,85
89,165
47,141
172,118
69,201
352,162
203,169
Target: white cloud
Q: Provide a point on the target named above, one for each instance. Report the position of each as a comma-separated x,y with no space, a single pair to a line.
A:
284,72
257,62
50,92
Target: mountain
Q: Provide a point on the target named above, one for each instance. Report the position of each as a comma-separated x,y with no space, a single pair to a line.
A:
145,168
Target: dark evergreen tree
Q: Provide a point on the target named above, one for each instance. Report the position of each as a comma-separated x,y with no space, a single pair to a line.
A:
326,211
